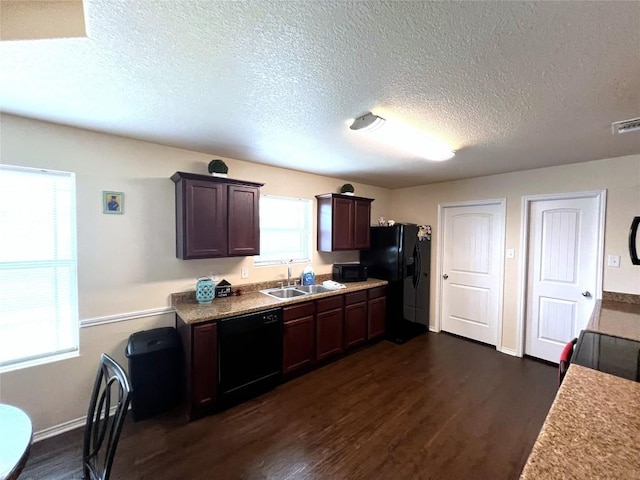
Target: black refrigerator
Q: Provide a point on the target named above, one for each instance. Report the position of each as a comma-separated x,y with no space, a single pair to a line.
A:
400,257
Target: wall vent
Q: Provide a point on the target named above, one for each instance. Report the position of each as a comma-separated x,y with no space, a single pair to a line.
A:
625,126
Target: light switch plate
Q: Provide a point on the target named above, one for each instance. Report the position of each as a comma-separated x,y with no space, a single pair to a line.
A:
244,272
613,261
511,253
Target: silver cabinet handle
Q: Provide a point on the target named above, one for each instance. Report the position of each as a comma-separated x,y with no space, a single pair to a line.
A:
586,293
445,276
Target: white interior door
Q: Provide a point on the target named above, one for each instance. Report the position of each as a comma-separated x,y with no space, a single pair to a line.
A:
473,245
562,272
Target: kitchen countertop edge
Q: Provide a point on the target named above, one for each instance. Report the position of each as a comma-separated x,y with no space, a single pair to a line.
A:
592,430
192,312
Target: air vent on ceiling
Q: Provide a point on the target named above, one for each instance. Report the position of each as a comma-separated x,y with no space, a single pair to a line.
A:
625,126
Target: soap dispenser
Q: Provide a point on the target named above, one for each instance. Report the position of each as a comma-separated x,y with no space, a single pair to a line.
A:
308,277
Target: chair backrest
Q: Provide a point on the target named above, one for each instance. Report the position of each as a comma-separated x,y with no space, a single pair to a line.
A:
565,360
107,409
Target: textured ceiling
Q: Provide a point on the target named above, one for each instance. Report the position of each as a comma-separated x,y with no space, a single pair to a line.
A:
509,85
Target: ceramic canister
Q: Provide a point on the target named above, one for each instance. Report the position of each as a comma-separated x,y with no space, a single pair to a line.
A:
205,290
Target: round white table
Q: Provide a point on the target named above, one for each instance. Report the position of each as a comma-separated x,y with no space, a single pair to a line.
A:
15,440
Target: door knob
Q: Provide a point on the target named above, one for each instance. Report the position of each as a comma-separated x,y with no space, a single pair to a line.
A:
586,293
445,276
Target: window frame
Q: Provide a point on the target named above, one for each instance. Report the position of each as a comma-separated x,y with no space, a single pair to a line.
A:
58,272
308,205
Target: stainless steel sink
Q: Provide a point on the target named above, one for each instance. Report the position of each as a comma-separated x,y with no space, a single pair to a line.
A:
313,288
283,292
293,292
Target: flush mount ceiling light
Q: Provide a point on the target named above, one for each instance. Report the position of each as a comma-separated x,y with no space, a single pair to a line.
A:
404,137
625,126
367,122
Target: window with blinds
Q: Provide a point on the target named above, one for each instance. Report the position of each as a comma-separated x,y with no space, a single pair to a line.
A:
38,266
285,230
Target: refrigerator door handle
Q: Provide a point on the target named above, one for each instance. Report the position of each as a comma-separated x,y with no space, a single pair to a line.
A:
418,269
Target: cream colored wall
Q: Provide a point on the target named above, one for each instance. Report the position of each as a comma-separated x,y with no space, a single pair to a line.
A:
127,263
619,176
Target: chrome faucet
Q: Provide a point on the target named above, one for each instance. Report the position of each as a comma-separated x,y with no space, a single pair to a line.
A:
288,275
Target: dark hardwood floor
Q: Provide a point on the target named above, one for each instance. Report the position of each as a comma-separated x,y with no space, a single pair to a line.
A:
437,407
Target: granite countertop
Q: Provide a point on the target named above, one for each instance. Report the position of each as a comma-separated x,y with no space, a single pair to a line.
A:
251,300
620,319
592,430
593,427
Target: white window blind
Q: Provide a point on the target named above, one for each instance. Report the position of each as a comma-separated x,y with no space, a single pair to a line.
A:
38,266
285,230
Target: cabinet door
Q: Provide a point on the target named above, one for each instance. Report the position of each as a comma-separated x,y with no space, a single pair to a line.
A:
329,338
201,222
244,220
355,324
376,317
362,224
204,365
298,345
343,223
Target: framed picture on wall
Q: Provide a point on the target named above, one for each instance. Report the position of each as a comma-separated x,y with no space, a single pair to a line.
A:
113,202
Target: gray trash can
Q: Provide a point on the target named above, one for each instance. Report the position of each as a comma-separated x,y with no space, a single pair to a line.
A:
156,371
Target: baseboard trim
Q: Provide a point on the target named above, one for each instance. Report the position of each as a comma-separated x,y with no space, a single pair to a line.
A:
67,426
59,429
124,317
509,351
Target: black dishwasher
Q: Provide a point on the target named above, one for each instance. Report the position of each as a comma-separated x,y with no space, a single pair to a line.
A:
249,355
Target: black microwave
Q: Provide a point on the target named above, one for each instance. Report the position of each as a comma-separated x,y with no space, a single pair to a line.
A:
349,272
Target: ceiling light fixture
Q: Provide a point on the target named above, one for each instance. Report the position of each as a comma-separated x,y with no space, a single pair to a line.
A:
404,137
625,126
367,122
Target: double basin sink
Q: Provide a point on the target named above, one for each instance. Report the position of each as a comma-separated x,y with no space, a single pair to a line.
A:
284,293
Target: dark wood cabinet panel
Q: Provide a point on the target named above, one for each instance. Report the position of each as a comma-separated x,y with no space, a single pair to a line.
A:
355,324
362,224
299,342
329,303
204,364
343,222
298,347
376,317
201,219
216,217
329,333
244,220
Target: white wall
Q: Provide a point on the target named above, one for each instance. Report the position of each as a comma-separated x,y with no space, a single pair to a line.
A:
126,263
619,176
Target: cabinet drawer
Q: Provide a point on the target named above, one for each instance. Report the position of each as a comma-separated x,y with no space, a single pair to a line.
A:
330,303
355,297
297,311
377,292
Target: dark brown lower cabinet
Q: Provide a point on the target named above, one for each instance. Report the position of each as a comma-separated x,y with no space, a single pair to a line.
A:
200,345
298,346
329,327
355,319
377,312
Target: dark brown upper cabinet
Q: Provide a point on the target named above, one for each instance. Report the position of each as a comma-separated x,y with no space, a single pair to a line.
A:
216,217
343,222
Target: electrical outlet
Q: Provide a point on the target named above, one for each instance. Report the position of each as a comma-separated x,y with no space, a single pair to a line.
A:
244,272
613,261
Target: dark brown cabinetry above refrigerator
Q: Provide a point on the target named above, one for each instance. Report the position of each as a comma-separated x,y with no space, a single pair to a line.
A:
216,217
343,222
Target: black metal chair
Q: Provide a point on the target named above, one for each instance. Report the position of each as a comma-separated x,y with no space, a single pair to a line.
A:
111,390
